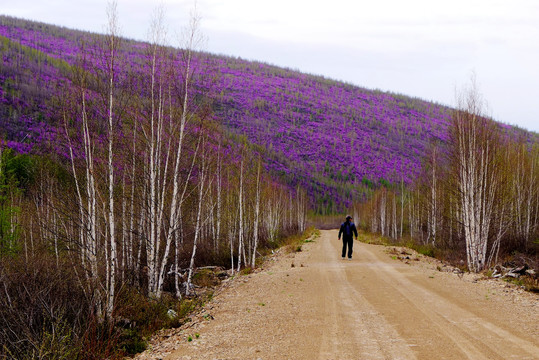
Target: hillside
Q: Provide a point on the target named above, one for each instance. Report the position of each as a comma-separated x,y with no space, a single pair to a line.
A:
332,138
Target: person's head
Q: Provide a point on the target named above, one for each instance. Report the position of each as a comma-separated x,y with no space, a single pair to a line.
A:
348,218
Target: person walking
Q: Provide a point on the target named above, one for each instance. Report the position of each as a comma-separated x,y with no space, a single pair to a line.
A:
348,230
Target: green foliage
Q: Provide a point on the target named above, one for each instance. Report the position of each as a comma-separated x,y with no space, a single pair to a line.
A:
246,271
145,316
16,173
19,168
372,239
427,250
57,342
385,183
132,342
367,182
35,54
294,243
528,283
9,230
205,278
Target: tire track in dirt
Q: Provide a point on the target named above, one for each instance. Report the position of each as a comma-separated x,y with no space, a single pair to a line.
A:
373,307
453,328
362,332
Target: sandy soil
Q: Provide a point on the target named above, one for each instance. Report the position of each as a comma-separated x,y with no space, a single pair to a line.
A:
313,305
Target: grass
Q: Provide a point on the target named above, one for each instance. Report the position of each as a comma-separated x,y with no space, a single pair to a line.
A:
427,250
294,243
149,315
375,239
528,283
205,278
372,239
246,271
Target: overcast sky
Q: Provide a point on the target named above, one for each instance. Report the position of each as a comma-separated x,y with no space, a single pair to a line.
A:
423,48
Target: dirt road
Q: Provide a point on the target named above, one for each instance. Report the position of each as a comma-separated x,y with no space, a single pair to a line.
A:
373,307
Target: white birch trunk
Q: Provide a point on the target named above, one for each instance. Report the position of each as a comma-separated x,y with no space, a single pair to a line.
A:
402,208
219,201
433,209
383,212
257,216
476,178
113,31
394,227
240,219
198,221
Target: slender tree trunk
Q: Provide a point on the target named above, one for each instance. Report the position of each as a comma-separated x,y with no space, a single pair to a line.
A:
240,219
402,208
257,216
383,212
113,28
394,227
198,220
477,176
219,202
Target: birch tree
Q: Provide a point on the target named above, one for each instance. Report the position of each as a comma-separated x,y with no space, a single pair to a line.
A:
383,200
272,218
473,147
85,183
301,209
241,248
257,214
112,42
433,201
163,122
201,182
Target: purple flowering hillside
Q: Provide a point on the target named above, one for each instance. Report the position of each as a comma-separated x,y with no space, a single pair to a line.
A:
326,135
329,137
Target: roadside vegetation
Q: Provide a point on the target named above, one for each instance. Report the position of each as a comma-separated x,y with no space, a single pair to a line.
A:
526,278
476,201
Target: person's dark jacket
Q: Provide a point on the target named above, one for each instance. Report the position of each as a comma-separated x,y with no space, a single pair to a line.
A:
348,229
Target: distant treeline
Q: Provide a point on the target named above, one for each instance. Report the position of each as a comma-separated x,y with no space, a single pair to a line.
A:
477,196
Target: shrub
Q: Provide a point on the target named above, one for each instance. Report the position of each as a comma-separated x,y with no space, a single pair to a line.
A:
42,308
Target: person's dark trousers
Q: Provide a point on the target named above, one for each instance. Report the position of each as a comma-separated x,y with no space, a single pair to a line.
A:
350,243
